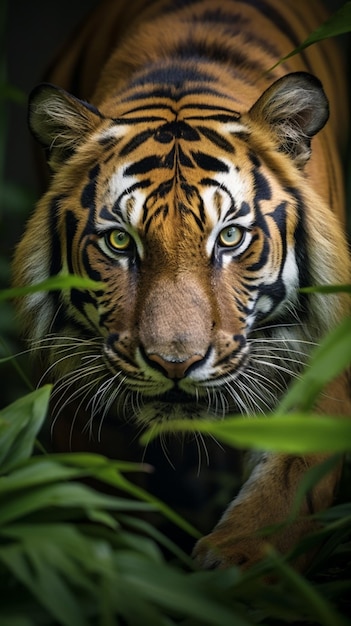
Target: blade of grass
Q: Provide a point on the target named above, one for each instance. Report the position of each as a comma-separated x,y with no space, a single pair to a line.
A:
109,472
297,433
19,425
331,358
326,289
318,607
338,24
56,283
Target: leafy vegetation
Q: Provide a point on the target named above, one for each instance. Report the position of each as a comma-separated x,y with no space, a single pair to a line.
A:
72,555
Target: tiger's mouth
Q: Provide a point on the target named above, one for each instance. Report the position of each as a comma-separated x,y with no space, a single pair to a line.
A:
175,396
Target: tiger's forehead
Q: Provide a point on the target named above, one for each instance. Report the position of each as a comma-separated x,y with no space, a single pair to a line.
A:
185,168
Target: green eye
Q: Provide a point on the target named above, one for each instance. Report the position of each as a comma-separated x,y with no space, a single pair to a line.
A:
119,240
231,236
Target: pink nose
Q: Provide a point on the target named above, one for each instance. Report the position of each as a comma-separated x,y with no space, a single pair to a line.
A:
175,369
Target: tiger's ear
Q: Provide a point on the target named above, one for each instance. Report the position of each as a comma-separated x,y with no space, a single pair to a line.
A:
296,108
59,121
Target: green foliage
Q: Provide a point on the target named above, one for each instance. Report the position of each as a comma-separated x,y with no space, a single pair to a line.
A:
56,283
68,554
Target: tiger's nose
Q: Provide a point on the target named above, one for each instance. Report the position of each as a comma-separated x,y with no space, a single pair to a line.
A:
174,368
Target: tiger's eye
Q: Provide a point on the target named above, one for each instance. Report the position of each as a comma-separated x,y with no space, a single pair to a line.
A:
230,237
119,240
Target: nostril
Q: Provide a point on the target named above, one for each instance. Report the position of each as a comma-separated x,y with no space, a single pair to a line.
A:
174,368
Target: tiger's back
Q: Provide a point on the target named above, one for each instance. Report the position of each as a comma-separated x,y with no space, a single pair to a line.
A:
204,191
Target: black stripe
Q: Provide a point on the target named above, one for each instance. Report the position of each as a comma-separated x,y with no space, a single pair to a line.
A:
162,209
145,165
219,52
226,115
217,139
177,129
209,163
274,16
279,21
145,118
138,185
135,142
218,16
184,159
169,93
173,74
89,191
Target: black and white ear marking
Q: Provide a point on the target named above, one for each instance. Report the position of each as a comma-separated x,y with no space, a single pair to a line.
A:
59,121
296,108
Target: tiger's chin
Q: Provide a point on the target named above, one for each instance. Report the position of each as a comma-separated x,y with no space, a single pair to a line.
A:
170,406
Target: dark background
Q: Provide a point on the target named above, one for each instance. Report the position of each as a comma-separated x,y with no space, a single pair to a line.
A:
31,32
34,31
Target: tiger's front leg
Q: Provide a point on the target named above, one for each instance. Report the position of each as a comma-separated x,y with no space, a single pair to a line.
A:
267,499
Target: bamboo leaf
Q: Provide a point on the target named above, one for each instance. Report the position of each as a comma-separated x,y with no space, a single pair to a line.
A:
316,605
20,423
331,358
172,591
326,289
71,496
31,568
338,24
108,472
56,283
297,433
10,92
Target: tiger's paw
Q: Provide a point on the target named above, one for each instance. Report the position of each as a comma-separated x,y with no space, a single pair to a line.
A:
221,549
227,546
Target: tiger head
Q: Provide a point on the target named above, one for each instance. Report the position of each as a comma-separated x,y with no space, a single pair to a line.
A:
201,225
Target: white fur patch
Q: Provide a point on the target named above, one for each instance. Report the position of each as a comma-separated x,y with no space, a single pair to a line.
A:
130,203
113,132
290,274
232,188
264,304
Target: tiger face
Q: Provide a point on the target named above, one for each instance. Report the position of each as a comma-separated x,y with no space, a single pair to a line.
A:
195,224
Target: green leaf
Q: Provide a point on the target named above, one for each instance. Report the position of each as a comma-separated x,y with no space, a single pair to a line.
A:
338,24
95,463
15,620
317,606
38,471
108,472
56,283
331,358
72,496
19,425
146,529
9,92
17,199
30,566
326,289
167,588
293,434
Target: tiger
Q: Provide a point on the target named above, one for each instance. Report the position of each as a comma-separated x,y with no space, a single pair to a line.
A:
199,183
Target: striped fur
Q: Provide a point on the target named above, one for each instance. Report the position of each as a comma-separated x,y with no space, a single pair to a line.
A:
204,191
